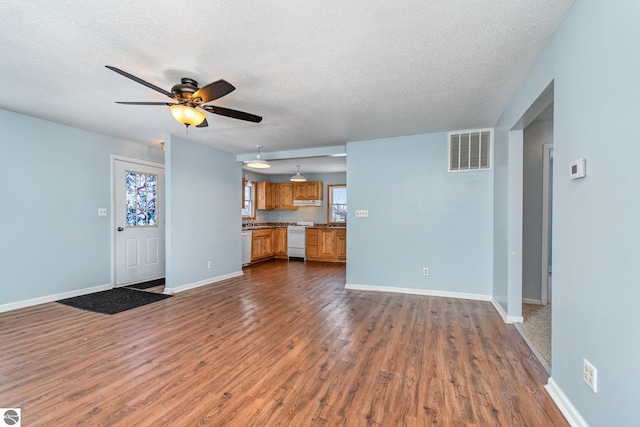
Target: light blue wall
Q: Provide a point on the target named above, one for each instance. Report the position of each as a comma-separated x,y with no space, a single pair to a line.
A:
317,214
203,212
419,216
596,235
53,179
531,99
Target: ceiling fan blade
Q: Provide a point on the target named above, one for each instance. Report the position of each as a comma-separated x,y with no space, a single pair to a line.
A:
203,124
145,103
214,90
235,114
139,80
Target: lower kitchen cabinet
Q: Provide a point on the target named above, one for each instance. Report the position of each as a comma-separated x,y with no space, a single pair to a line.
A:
327,244
280,249
262,244
268,243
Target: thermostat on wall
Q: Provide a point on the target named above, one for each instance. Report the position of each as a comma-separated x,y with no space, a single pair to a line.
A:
577,168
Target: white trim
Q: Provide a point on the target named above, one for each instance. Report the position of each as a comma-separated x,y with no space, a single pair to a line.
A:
115,157
505,317
52,298
204,282
531,301
547,152
564,404
533,349
112,216
414,291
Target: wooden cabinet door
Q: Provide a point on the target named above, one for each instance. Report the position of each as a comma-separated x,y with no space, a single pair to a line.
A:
272,196
312,243
313,190
326,244
267,246
286,196
261,244
299,190
261,195
280,242
341,244
256,247
310,190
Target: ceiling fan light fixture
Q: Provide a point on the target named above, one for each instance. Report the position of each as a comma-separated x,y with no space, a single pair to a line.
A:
258,163
186,115
297,177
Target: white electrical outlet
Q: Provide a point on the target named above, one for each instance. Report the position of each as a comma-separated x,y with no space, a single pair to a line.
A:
425,271
590,375
210,264
362,213
102,211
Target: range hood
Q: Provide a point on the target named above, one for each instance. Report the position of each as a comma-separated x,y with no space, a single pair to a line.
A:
307,203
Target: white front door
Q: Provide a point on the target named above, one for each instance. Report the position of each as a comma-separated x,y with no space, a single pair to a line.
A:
139,222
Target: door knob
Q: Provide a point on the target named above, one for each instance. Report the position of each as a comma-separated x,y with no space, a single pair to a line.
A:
120,228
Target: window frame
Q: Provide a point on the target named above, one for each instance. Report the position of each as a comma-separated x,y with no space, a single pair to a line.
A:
330,203
245,183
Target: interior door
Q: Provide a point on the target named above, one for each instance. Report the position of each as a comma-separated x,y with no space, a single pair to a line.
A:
139,222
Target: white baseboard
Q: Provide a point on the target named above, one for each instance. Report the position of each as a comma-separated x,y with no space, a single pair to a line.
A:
51,298
564,404
533,349
414,291
204,282
531,301
505,317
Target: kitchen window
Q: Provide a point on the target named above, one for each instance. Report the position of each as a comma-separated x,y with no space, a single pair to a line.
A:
248,210
337,206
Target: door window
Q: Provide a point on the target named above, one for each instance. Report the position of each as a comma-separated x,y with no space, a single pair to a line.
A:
141,199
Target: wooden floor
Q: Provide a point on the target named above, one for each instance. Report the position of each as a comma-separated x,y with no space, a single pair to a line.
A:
284,345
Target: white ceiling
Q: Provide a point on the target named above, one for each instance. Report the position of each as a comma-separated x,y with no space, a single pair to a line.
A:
319,73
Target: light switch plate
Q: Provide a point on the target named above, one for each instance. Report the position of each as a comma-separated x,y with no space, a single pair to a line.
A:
362,213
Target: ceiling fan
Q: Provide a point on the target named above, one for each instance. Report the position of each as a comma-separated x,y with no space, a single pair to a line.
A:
190,100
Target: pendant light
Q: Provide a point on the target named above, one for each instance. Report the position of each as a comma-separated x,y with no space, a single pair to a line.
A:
258,163
187,115
297,177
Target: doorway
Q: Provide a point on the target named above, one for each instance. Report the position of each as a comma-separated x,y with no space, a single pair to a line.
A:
536,234
139,223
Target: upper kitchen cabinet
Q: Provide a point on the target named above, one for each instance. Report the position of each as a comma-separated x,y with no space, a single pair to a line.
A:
309,190
275,196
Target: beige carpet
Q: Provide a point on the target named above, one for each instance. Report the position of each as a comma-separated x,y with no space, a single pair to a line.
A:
537,328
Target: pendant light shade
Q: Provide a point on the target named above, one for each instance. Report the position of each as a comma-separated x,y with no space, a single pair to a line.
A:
258,163
297,177
186,115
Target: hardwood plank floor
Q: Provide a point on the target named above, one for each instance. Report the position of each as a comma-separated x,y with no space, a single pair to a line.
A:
284,345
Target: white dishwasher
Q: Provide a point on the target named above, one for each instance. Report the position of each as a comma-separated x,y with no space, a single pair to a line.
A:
246,247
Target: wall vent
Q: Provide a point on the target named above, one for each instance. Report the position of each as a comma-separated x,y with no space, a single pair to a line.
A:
470,151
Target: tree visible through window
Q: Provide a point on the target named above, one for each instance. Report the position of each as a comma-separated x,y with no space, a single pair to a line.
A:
141,199
337,203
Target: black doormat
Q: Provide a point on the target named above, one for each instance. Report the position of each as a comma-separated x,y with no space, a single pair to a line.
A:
147,285
113,301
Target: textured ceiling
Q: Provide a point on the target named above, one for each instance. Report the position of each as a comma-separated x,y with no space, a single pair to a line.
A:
320,73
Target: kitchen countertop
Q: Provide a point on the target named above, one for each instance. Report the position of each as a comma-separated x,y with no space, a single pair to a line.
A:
262,225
